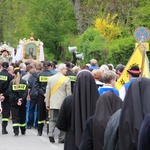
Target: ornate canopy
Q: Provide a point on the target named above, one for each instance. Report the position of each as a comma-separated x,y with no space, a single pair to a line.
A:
30,49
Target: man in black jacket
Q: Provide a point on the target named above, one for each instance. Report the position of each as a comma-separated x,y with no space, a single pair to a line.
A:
33,96
5,79
70,75
40,85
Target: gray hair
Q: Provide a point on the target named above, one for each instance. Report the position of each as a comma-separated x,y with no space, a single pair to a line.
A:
103,68
108,76
93,62
60,67
10,68
22,65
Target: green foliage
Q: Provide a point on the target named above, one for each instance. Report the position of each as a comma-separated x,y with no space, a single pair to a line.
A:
91,44
15,21
49,20
120,50
54,23
142,15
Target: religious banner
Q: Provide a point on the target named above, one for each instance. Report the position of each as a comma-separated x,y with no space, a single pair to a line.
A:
139,58
30,49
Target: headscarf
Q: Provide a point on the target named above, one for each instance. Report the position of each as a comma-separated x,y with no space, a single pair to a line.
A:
107,104
136,106
85,95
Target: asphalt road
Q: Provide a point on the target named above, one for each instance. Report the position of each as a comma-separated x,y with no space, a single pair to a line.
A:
30,141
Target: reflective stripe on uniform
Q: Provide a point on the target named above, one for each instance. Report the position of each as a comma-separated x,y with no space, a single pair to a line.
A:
22,125
44,78
20,87
72,78
3,78
16,125
40,122
5,119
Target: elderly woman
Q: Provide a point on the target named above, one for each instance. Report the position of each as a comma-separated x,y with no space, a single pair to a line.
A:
97,76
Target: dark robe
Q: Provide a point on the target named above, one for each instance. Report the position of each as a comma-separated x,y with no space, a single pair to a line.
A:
85,96
107,104
136,106
76,109
144,135
64,123
87,137
111,132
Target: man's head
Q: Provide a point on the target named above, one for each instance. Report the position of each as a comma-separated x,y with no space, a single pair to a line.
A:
93,62
134,71
22,66
47,65
11,70
68,65
119,71
5,65
62,68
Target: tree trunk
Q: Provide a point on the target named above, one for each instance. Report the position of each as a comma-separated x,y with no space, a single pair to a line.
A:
1,30
1,21
78,14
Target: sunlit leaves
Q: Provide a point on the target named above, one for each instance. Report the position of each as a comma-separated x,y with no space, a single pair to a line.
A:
108,27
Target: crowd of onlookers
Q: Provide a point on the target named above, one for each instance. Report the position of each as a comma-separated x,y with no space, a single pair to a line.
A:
89,111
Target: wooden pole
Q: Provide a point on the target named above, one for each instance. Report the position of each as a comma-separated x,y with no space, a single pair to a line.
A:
143,51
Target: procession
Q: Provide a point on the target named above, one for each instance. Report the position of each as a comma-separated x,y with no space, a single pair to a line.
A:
74,75
72,107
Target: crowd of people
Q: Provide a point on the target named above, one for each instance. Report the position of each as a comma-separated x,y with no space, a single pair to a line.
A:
82,102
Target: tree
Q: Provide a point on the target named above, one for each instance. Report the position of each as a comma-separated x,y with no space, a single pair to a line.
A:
107,27
78,14
91,43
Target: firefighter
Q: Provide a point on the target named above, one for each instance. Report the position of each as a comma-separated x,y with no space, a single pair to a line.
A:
18,93
70,75
40,85
5,78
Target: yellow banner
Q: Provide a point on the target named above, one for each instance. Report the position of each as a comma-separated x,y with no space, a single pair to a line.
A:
135,59
141,47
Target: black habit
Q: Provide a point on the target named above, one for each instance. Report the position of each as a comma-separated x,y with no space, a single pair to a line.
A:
144,135
76,109
64,123
93,135
111,132
136,106
107,104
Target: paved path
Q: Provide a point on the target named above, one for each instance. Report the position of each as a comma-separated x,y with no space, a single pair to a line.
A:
30,141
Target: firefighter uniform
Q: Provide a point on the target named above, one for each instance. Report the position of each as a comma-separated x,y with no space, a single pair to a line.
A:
70,75
18,111
72,78
40,85
5,78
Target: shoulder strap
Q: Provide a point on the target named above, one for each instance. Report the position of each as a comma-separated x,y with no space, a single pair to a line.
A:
57,85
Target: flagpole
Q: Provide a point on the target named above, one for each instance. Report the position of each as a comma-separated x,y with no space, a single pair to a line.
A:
143,58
